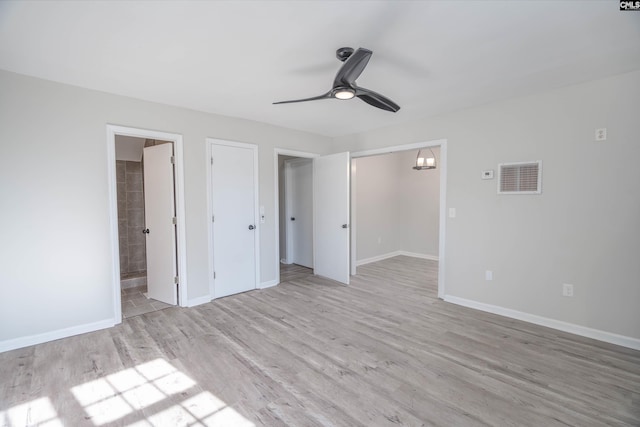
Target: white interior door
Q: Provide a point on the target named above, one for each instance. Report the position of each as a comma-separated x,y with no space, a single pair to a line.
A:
159,211
331,216
299,195
233,173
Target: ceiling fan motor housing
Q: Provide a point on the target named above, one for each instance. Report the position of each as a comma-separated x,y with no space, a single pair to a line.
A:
344,53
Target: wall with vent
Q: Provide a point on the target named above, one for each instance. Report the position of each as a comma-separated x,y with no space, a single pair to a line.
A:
583,229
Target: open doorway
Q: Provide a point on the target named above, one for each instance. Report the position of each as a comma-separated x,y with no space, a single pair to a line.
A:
147,220
294,201
146,195
397,212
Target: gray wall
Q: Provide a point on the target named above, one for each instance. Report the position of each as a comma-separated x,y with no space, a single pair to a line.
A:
56,266
584,228
396,206
419,205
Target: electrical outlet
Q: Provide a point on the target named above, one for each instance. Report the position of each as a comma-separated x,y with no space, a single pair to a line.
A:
488,174
567,290
488,275
601,134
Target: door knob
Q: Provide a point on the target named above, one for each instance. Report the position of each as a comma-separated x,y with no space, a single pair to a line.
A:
293,218
345,226
251,227
145,231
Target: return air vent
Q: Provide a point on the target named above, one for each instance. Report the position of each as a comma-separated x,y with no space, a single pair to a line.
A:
520,178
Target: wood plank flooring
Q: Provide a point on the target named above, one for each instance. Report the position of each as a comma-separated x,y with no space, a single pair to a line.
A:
289,272
383,351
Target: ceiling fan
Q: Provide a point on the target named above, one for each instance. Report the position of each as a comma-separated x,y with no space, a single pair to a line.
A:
344,84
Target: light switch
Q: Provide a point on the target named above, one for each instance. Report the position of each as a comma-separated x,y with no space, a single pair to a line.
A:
452,212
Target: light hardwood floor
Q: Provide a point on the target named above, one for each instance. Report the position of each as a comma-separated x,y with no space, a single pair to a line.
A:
289,272
382,351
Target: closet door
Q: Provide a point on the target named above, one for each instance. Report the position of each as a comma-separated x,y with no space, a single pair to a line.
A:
234,190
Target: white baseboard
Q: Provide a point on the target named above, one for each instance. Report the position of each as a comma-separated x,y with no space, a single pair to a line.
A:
21,342
394,254
572,328
417,255
268,284
199,301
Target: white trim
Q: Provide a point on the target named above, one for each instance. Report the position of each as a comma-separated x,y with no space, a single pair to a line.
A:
176,139
269,284
443,219
571,328
276,192
442,143
210,253
395,254
256,202
395,148
21,342
113,226
377,258
199,301
421,256
352,218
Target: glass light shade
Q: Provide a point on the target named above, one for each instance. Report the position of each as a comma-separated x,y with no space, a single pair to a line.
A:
344,94
425,162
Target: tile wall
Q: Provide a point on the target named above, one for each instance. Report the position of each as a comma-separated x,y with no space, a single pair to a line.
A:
131,219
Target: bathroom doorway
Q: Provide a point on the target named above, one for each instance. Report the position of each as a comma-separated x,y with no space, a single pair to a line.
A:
137,195
147,220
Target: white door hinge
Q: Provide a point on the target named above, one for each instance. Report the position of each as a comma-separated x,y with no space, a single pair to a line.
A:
173,160
214,274
174,220
213,218
211,160
175,280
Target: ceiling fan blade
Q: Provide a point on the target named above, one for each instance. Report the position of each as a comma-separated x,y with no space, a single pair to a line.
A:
352,68
325,96
377,100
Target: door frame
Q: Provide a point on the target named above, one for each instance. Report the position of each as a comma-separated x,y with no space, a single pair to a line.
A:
256,215
181,244
442,143
288,201
276,192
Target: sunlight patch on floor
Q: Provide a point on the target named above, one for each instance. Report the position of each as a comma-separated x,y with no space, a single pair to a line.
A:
38,412
153,387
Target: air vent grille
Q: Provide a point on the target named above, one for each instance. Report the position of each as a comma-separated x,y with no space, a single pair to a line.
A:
520,178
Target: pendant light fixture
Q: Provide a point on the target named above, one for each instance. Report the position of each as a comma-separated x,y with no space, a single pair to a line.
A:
425,161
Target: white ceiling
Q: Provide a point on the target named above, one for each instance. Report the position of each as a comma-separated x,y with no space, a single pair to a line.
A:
236,57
